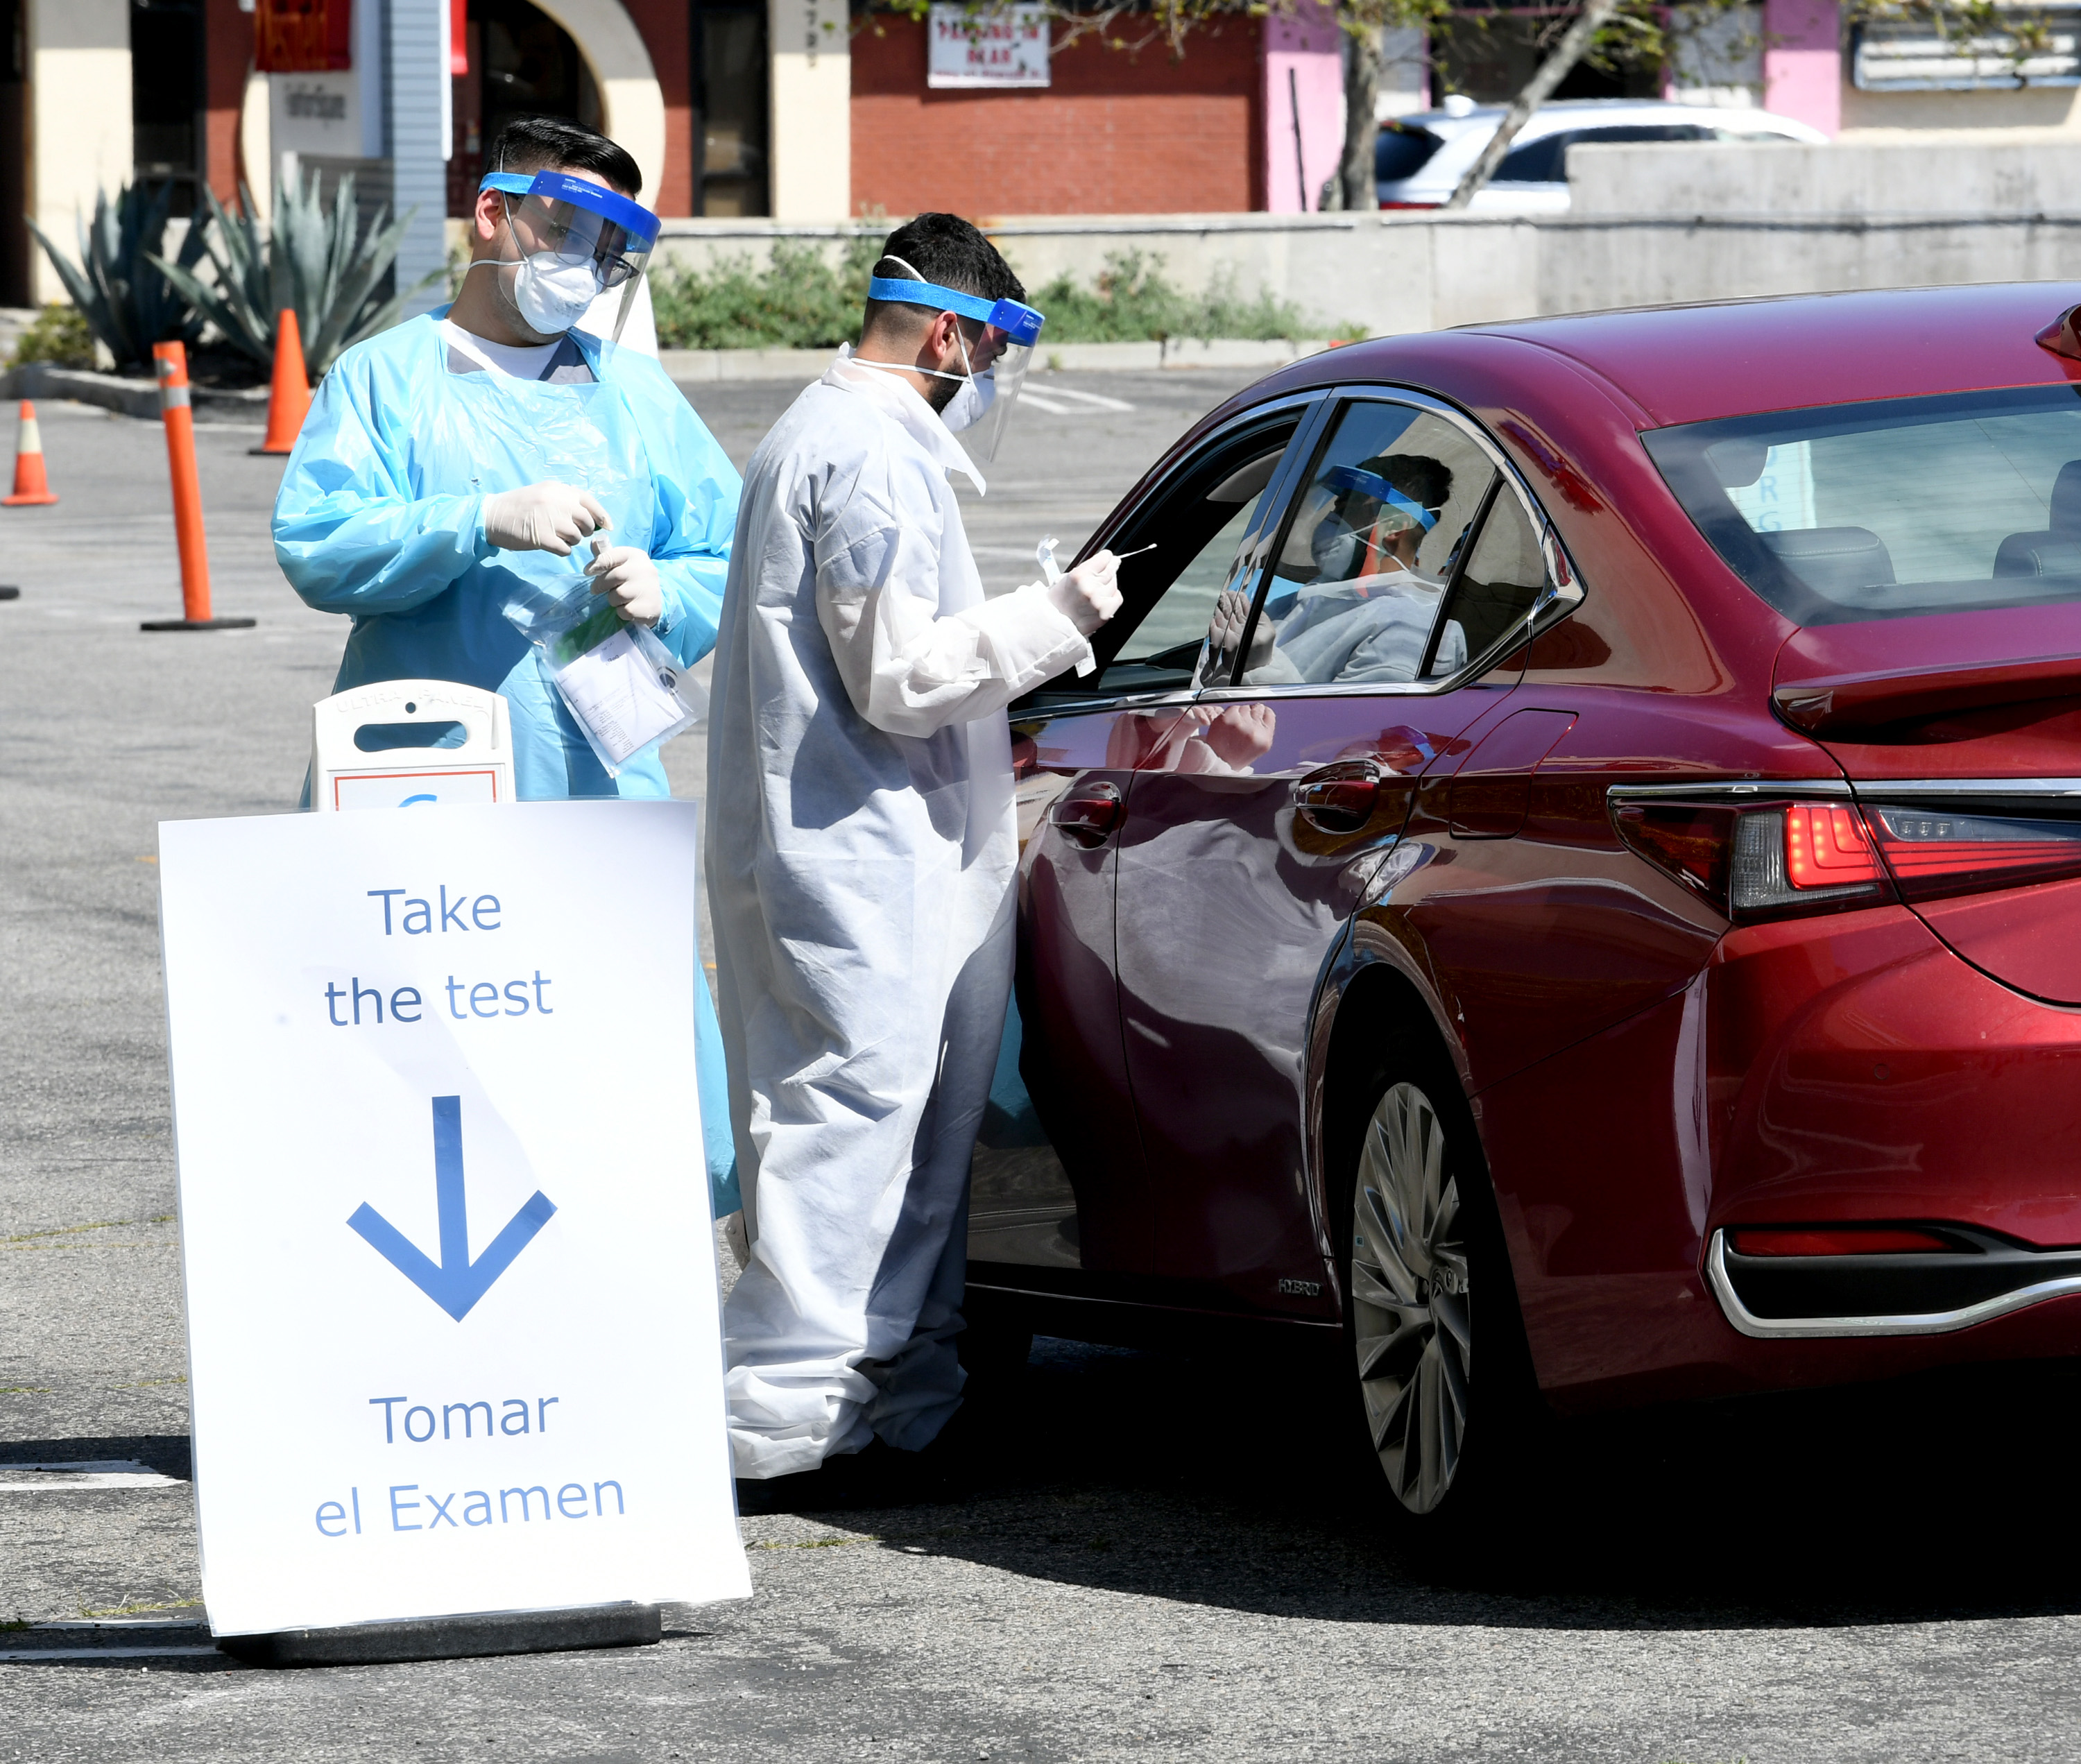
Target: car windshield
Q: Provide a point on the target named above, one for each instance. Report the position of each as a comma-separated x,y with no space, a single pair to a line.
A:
1848,512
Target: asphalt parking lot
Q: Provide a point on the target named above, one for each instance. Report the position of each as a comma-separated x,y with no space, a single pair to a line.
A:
1160,1556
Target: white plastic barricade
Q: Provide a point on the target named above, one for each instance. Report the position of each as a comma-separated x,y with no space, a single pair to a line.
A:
345,775
454,1337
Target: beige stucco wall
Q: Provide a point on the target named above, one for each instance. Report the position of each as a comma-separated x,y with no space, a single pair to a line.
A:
631,103
809,100
79,129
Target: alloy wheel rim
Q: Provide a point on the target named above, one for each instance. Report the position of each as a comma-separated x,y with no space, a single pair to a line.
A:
1409,1297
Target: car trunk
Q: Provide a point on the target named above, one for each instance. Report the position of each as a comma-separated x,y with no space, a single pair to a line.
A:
1962,733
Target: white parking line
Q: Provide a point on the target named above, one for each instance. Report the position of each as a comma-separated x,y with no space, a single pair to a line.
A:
1060,401
76,1478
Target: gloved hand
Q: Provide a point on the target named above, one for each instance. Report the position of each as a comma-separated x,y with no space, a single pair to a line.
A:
628,578
549,516
1088,595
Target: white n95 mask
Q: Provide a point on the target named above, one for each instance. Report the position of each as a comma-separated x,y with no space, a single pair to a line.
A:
553,292
969,405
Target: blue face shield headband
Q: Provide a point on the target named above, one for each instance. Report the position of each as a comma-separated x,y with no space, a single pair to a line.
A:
1021,324
1365,483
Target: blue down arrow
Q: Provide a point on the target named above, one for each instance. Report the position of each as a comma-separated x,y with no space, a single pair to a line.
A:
458,1282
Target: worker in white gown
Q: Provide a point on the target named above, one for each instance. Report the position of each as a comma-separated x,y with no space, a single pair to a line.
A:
861,852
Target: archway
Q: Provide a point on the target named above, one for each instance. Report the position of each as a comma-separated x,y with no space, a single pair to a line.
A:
584,59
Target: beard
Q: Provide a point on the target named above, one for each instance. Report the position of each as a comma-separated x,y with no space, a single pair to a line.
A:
942,393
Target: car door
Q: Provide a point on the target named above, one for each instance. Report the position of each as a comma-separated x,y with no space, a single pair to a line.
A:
1059,1181
1377,654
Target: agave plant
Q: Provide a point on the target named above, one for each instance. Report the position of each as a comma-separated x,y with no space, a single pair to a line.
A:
317,261
120,284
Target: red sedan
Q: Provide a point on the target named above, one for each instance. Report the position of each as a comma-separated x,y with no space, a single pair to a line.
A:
1574,844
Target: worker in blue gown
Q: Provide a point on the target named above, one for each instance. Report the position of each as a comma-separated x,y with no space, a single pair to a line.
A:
491,455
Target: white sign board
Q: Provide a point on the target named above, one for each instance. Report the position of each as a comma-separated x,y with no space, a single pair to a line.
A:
1004,47
317,115
454,1339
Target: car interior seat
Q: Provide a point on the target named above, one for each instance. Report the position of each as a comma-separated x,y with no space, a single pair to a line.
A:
2054,550
1834,561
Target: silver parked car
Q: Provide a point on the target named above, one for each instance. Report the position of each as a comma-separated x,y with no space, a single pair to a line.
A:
1420,160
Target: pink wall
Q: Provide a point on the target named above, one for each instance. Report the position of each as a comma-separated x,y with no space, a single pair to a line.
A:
1802,61
1303,60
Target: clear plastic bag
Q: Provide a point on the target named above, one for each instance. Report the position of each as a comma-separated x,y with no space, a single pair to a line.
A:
621,685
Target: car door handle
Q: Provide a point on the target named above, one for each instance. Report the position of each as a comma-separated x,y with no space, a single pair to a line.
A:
1339,798
1087,812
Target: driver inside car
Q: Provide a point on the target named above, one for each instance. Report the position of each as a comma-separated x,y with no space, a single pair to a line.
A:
1367,610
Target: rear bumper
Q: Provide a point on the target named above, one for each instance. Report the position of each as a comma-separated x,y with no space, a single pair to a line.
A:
1788,1298
1846,1071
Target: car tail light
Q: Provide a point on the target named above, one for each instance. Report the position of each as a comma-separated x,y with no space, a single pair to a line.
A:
1761,862
1935,852
1412,205
1805,852
1836,1240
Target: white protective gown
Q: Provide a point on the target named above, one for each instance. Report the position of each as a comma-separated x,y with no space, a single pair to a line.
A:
862,847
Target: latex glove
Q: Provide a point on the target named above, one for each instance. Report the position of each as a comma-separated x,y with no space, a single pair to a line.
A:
549,516
628,578
1089,594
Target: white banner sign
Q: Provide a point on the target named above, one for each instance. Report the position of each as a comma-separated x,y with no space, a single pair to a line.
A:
1007,47
454,1340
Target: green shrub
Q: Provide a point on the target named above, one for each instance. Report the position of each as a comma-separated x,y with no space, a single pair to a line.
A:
1132,302
802,301
799,302
58,334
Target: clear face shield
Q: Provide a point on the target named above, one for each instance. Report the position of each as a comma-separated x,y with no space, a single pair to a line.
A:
1360,534
995,363
578,240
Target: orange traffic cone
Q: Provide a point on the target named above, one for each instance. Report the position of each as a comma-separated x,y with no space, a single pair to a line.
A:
289,400
33,490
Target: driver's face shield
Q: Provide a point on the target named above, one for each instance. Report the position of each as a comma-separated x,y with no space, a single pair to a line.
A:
1365,523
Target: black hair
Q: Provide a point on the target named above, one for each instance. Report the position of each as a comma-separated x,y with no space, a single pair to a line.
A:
1425,481
536,143
945,249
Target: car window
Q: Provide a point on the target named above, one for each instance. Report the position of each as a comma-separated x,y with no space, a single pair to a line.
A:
1546,161
1353,593
1197,524
1504,576
1844,512
1400,150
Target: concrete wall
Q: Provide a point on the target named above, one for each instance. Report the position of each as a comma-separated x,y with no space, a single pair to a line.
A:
1984,179
1732,221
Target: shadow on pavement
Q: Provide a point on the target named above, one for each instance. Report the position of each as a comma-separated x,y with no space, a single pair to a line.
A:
1249,1486
169,1454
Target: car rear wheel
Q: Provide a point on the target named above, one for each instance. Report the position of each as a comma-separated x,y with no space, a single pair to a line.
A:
1410,1297
1426,1269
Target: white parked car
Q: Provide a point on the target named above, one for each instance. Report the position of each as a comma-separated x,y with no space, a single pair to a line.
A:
1420,160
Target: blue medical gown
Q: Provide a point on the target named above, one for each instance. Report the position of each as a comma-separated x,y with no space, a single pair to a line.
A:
380,516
